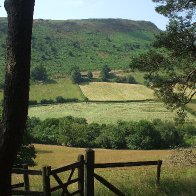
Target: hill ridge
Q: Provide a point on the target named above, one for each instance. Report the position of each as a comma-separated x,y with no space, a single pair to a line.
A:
87,43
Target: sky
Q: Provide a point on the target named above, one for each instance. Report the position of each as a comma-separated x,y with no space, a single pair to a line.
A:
83,9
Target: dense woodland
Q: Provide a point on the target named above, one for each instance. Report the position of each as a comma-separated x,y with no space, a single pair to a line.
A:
88,44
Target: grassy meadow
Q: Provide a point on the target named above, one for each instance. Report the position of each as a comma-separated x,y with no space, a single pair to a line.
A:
106,112
59,87
105,91
175,180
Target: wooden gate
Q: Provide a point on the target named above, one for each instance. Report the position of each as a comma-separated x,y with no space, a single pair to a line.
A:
47,174
84,170
90,174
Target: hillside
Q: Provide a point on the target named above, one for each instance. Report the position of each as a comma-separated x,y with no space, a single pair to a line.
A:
89,43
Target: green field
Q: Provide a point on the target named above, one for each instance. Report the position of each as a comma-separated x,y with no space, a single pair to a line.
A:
176,180
105,91
60,87
106,112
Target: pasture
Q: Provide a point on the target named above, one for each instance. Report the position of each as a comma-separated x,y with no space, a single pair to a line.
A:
175,180
106,112
105,91
61,87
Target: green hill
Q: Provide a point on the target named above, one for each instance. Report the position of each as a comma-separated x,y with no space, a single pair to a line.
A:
89,43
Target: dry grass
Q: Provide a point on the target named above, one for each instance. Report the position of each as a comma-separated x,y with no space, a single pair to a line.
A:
60,155
175,181
104,91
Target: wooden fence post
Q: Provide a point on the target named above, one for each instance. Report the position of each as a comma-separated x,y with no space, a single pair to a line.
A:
81,174
46,180
89,172
26,178
158,171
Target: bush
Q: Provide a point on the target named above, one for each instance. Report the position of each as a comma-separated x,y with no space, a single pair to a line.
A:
130,79
27,153
105,73
39,73
46,101
145,136
45,132
32,102
60,99
75,75
171,135
89,75
125,79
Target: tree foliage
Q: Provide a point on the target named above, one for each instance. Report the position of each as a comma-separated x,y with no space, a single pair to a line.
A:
90,75
171,66
39,73
105,73
76,132
75,75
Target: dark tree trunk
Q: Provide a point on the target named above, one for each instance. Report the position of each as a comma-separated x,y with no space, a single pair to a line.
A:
16,92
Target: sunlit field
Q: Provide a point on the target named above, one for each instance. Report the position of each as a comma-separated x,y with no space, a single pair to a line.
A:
106,112
105,91
61,87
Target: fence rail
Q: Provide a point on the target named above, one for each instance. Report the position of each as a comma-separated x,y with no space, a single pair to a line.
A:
125,164
90,174
85,169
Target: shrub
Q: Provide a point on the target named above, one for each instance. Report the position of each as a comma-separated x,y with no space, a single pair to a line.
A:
125,79
75,75
60,99
171,135
27,153
130,79
145,136
77,132
46,131
105,73
39,73
46,101
32,102
89,75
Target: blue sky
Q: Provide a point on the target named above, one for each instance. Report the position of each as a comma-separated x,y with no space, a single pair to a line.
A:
82,9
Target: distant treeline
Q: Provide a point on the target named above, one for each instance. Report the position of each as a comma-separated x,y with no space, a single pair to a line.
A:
76,132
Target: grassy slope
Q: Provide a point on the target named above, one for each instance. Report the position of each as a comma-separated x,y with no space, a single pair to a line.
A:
106,112
62,87
89,44
104,91
133,180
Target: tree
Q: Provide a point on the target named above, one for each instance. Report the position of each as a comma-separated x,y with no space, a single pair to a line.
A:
39,73
75,75
16,90
171,67
105,73
90,75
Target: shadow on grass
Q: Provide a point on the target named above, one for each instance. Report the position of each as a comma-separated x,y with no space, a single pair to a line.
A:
44,151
